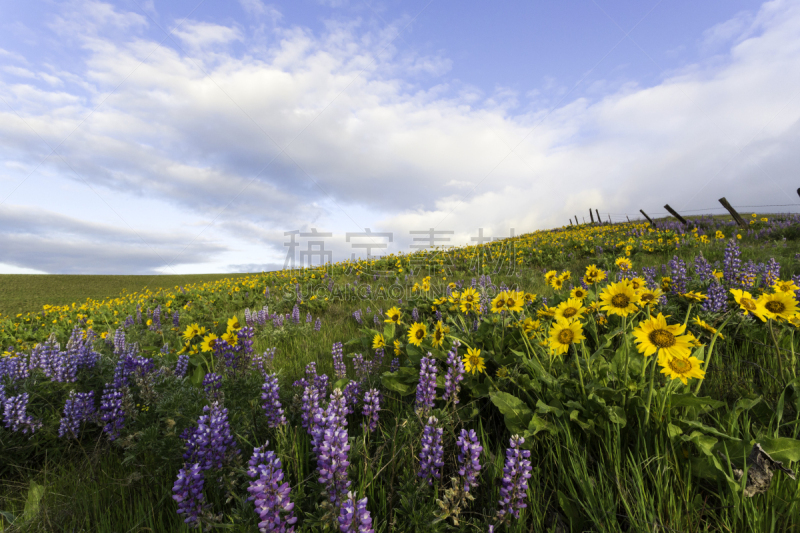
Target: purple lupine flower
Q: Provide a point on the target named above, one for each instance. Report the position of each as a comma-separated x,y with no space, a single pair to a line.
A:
176,319
372,406
332,463
277,321
212,382
455,374
111,411
272,403
717,299
296,314
772,272
119,342
357,316
702,269
182,366
188,492
270,493
78,408
16,417
377,319
265,362
516,473
361,366
678,270
426,389
415,314
128,322
266,293
339,368
138,314
310,409
469,454
649,274
335,415
210,444
431,457
318,324
245,340
352,395
156,325
309,318
731,264
354,516
377,361
395,365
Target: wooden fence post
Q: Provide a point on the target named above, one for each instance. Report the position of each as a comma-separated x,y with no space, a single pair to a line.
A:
570,222
676,215
650,220
598,216
626,216
733,212
576,221
591,215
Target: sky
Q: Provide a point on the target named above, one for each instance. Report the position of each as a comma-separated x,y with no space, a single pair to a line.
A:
193,136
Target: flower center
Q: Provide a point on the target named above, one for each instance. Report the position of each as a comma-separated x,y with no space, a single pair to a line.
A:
647,297
570,312
748,304
662,338
635,285
680,365
565,336
620,300
419,334
510,302
775,307
395,318
474,360
438,335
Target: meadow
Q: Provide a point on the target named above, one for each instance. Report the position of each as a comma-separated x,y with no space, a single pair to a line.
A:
587,378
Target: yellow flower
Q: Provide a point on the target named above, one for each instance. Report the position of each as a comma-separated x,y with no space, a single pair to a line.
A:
571,308
593,275
619,299
655,335
469,295
706,326
602,320
550,275
681,368
230,337
530,326
530,297
191,332
438,335
233,324
208,342
666,283
785,286
779,305
557,283
398,348
394,315
650,297
499,302
624,264
747,303
564,333
514,300
637,283
417,334
718,274
579,293
566,275
694,296
378,341
473,362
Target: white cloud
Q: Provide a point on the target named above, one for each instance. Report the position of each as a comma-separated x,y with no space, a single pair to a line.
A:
337,131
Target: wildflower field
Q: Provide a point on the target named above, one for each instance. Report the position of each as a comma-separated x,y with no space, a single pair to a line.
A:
587,378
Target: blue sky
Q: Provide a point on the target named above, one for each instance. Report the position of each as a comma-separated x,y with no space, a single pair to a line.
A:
186,136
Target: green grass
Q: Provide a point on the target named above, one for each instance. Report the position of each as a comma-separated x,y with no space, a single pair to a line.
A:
21,293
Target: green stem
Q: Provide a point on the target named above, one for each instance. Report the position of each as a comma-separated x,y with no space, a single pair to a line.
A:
777,349
580,371
688,312
710,352
650,391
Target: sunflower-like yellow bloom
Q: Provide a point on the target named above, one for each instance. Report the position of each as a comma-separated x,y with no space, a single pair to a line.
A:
208,342
706,326
570,308
655,335
233,324
398,348
566,275
619,299
694,296
624,264
514,300
650,296
378,341
394,315
785,286
666,283
473,362
550,275
593,275
637,283
530,326
417,334
564,333
557,283
779,305
438,335
529,297
747,303
682,368
230,337
579,293
546,312
191,332
499,302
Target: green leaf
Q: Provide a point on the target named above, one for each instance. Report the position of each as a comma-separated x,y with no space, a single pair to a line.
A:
703,442
617,415
544,408
690,400
340,384
540,424
708,430
402,381
388,331
673,431
516,413
782,449
35,493
571,511
199,374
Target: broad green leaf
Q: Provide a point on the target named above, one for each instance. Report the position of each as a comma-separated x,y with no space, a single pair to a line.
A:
516,413
388,332
703,442
586,426
544,408
571,511
690,400
707,430
540,424
673,431
199,374
617,415
35,493
341,384
394,381
782,449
